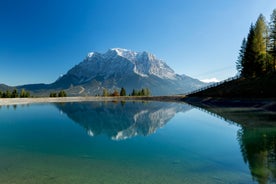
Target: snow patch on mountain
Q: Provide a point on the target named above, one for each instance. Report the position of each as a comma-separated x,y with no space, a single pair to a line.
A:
210,80
143,64
90,54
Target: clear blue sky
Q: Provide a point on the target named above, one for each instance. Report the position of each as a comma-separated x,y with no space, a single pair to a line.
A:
40,40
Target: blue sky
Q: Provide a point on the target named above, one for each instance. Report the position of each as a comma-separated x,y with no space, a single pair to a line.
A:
40,40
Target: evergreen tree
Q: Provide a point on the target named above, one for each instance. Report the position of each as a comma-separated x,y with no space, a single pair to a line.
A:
3,95
252,60
258,57
27,94
8,94
53,94
134,93
123,92
240,61
14,94
147,92
249,54
22,93
272,39
105,92
143,92
62,94
260,35
259,45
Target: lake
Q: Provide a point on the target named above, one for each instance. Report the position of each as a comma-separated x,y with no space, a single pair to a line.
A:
135,142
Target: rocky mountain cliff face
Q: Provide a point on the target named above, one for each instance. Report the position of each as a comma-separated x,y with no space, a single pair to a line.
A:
123,68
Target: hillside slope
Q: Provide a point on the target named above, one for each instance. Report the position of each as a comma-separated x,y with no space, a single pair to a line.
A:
258,87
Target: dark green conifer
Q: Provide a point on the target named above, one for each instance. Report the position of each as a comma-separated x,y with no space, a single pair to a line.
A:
123,92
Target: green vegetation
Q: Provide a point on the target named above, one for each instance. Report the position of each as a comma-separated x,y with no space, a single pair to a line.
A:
123,92
142,92
257,55
53,94
105,92
15,94
62,93
24,94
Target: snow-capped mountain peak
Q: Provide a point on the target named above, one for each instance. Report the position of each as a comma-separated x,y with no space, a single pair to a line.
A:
121,67
125,53
143,64
90,54
121,52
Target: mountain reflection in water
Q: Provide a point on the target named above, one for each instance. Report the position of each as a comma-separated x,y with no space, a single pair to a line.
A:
257,138
121,120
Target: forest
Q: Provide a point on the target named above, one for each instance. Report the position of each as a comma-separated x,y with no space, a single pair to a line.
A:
15,94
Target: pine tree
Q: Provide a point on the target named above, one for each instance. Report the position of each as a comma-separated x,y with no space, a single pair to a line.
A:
134,93
62,94
259,45
8,94
22,93
260,35
240,60
27,94
147,92
249,54
105,92
253,59
14,94
143,92
53,94
123,92
272,39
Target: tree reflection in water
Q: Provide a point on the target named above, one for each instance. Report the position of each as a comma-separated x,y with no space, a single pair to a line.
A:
258,147
257,138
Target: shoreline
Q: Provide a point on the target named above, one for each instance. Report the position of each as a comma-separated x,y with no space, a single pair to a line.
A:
204,102
19,101
218,102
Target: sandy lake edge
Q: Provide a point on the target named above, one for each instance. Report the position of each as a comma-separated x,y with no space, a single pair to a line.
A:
18,101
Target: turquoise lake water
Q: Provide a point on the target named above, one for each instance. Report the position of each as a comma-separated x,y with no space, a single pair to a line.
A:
132,142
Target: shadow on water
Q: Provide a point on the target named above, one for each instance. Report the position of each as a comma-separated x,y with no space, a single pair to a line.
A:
121,120
257,138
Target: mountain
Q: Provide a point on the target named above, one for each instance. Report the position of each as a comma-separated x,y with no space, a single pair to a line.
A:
120,68
123,120
124,68
4,87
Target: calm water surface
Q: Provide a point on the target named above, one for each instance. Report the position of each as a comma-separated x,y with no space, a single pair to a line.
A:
133,142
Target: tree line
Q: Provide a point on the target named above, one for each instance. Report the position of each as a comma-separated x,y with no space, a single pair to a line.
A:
135,92
61,93
257,55
15,94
